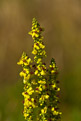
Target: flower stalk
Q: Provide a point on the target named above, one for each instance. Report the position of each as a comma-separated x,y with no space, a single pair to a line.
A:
40,84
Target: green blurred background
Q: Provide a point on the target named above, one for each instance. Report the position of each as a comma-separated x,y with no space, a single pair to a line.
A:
62,37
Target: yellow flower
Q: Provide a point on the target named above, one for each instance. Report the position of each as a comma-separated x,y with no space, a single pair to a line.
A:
25,115
25,95
54,85
42,82
29,60
55,113
40,89
44,110
35,34
43,86
24,81
33,82
46,96
60,113
30,91
38,67
52,109
36,46
32,99
23,59
36,72
22,74
54,65
34,52
30,117
42,72
39,60
42,98
58,89
20,62
41,45
27,77
30,32
43,52
52,71
50,66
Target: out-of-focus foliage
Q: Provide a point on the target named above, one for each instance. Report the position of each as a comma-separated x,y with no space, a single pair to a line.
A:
62,22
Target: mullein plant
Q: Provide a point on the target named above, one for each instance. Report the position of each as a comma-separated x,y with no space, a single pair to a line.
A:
40,83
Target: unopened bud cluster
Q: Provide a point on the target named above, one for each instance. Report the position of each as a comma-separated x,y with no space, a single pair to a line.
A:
40,84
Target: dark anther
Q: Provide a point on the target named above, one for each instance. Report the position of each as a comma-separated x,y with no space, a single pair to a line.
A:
45,85
37,88
24,60
37,44
29,99
34,101
55,88
57,81
26,93
49,119
35,31
49,107
31,72
34,66
52,68
44,63
24,71
23,101
40,29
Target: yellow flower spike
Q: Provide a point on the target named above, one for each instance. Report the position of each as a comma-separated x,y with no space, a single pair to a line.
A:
40,84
